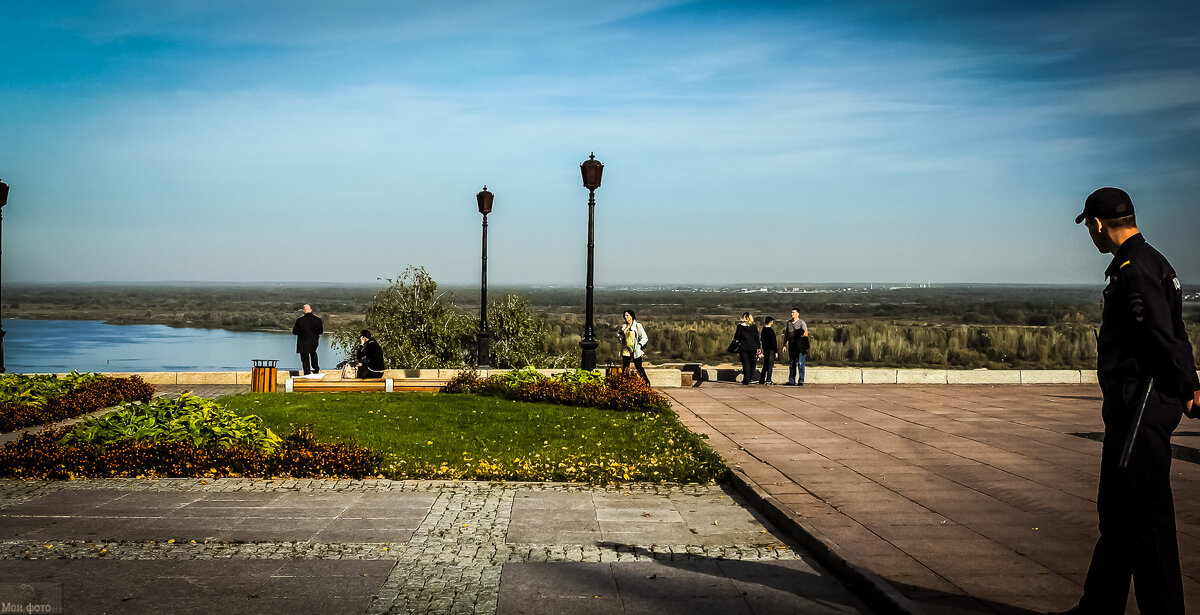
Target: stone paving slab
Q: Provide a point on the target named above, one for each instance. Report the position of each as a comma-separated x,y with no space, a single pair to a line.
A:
379,546
665,588
96,586
967,499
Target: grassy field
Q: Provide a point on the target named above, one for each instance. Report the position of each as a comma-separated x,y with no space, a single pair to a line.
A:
441,436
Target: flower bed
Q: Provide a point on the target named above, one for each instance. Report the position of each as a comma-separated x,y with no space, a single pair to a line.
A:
184,437
197,420
620,391
44,456
40,400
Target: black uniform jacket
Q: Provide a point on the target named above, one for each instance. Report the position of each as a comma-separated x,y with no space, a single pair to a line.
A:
308,332
1141,330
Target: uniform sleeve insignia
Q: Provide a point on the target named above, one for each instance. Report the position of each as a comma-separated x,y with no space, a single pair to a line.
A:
1137,306
1123,265
1178,286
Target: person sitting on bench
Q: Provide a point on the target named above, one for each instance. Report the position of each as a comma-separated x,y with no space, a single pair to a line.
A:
370,357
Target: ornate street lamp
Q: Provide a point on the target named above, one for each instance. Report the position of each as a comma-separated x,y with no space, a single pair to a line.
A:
3,202
484,198
591,169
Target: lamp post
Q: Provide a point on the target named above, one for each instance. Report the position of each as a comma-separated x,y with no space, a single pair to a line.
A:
3,202
591,169
484,199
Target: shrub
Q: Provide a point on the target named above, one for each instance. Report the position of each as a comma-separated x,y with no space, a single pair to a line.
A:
591,395
518,377
627,391
415,323
302,456
90,392
40,390
202,422
579,376
621,391
465,381
45,455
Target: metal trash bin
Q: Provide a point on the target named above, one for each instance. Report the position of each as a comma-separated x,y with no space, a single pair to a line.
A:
262,378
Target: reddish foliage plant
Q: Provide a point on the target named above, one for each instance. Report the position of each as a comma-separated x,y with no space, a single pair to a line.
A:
103,393
41,456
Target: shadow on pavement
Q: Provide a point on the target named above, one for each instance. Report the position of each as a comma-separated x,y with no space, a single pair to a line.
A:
689,586
958,603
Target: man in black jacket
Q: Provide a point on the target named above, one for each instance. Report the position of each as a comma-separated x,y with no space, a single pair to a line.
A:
308,332
1144,354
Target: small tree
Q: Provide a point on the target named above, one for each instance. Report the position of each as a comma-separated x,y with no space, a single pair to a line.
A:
419,327
415,324
516,333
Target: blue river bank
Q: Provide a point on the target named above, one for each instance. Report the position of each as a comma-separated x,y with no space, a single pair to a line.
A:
93,346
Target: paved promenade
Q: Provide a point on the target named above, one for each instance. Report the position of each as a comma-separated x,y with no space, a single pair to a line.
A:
966,499
310,546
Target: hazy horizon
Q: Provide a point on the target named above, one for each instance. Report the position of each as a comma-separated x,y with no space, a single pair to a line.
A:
879,285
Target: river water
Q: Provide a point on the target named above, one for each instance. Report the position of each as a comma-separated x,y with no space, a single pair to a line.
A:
92,346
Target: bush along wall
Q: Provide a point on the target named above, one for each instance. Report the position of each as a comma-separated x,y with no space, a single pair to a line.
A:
39,400
621,390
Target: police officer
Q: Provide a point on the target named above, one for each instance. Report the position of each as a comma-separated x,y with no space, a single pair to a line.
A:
1141,338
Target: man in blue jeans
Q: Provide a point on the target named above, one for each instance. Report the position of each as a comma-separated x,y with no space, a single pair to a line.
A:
795,333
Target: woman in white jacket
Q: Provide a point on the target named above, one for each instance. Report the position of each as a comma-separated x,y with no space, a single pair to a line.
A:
633,341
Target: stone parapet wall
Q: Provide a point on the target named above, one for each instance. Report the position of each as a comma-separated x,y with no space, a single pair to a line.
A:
673,378
659,377
874,375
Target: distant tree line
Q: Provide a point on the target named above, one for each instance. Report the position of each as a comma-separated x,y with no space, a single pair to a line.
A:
992,326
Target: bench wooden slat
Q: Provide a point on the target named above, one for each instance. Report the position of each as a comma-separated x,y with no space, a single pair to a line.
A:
302,385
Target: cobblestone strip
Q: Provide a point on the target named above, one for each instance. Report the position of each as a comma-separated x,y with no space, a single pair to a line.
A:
452,562
13,492
170,549
139,550
11,489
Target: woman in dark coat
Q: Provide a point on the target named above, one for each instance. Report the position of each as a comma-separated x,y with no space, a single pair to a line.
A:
370,357
749,346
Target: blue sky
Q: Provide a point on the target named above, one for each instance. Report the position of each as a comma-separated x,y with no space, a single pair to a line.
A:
794,142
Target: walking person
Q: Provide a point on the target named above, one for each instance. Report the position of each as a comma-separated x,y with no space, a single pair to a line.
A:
795,334
770,350
370,356
308,332
1143,354
633,344
749,346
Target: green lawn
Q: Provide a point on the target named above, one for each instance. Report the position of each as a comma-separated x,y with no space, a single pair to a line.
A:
444,436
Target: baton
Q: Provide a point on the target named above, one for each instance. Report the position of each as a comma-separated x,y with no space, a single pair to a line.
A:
1136,425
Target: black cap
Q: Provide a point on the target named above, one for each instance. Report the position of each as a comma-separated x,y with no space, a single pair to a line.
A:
1106,204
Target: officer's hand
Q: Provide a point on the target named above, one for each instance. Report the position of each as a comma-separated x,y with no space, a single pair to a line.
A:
1192,409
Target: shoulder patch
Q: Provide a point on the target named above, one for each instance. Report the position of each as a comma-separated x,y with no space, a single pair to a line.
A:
1178,286
1123,265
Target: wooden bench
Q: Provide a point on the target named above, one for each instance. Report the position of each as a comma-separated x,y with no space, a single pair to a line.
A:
381,385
